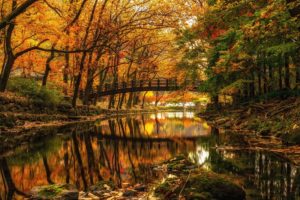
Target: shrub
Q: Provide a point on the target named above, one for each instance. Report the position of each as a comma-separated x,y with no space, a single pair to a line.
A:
31,89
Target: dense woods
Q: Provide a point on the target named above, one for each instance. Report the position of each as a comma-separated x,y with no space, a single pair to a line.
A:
246,48
240,48
150,99
82,45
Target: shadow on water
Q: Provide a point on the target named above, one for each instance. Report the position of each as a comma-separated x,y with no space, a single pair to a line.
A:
124,150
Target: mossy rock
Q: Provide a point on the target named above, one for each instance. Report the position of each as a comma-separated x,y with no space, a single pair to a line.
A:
292,138
201,186
179,163
213,186
66,192
103,186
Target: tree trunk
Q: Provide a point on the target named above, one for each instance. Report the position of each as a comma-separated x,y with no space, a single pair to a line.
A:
265,77
259,80
88,86
79,77
48,67
280,76
270,88
67,64
10,58
66,69
287,72
297,64
252,86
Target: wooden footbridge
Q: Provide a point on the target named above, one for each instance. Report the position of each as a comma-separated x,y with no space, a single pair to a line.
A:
161,84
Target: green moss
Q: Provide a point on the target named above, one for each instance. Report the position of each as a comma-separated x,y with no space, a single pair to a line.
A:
217,187
179,163
200,184
30,88
50,191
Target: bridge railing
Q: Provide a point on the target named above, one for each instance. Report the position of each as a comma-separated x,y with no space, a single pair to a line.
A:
159,83
144,85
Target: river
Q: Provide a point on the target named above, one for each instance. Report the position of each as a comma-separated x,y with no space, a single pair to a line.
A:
124,149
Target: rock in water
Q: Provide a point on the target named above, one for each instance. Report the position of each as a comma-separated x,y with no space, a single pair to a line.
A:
186,181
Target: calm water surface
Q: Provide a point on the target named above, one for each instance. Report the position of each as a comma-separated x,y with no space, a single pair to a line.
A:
123,150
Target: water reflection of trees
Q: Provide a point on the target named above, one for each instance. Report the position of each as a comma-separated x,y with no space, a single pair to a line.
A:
271,176
119,151
84,159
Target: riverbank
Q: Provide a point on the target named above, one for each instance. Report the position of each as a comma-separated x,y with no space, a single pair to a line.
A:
273,125
23,121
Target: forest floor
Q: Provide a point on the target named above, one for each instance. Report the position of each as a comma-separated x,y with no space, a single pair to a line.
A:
273,125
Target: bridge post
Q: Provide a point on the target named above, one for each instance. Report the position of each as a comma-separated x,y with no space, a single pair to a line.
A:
124,84
106,86
149,83
167,83
158,83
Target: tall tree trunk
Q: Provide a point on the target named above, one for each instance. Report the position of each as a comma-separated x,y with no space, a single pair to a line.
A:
67,62
287,72
89,80
280,76
48,67
259,80
66,68
297,64
252,86
270,88
79,77
10,57
265,76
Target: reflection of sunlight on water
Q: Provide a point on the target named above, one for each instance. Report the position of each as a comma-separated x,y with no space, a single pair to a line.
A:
228,155
171,115
200,157
149,128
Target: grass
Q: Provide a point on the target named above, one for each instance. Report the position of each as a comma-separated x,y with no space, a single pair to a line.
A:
32,90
